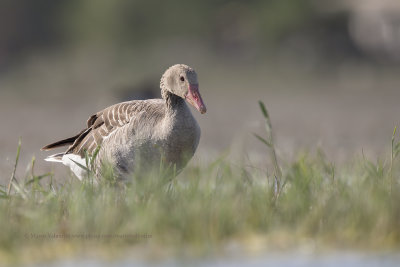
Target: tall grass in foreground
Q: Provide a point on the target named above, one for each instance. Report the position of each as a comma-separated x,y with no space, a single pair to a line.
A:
206,207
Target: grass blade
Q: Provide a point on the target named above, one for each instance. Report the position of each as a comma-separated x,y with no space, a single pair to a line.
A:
38,178
263,140
95,153
270,144
15,167
80,165
20,190
263,109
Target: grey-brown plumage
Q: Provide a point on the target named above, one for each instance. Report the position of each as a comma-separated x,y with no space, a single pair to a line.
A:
140,133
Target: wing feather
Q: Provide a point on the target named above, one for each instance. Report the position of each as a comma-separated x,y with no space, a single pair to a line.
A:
105,122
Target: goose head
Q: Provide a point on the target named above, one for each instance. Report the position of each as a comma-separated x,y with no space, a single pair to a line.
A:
181,80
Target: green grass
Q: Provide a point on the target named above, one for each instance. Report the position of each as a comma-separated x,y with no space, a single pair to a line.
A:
207,207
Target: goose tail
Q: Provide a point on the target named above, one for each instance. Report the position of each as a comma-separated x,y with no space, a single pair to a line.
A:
64,142
55,158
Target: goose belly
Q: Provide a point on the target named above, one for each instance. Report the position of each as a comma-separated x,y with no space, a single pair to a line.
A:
172,143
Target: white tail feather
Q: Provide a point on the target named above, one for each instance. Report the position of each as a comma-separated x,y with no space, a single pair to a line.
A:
55,157
70,161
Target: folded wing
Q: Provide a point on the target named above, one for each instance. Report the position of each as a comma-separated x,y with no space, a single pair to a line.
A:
103,124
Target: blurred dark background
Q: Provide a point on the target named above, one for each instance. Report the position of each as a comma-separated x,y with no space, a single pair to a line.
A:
327,70
240,31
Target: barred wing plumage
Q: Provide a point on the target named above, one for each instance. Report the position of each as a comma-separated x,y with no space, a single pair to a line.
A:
102,124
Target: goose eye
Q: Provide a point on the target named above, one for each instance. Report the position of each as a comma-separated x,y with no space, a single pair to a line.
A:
182,79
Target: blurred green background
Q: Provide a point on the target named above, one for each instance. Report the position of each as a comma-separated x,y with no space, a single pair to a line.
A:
235,31
327,70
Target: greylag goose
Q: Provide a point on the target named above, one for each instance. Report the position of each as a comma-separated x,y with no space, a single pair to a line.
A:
140,134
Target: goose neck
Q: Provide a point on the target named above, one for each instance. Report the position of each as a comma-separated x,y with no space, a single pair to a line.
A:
172,101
